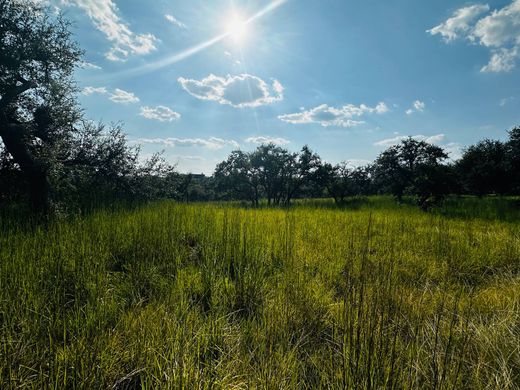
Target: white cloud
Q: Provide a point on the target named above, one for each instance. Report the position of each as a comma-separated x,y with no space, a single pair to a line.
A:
87,91
432,139
356,162
117,96
172,19
191,158
506,100
239,91
459,23
123,97
453,149
160,113
89,65
499,31
105,16
331,116
213,143
500,28
502,60
417,106
267,140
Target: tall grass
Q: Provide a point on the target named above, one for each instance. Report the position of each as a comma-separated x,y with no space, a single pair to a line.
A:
217,296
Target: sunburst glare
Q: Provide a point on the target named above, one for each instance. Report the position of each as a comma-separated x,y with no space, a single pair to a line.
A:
237,27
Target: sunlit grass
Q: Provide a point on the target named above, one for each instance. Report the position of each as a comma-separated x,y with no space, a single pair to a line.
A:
372,295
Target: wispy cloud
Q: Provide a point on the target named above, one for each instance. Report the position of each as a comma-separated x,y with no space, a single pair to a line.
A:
87,91
213,143
173,20
105,16
123,97
499,31
417,106
117,96
503,102
356,162
160,113
331,116
239,91
191,158
431,139
453,149
267,140
90,65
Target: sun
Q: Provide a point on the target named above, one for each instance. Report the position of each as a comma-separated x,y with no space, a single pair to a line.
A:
237,27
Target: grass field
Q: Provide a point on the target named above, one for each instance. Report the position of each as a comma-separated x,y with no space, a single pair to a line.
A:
372,295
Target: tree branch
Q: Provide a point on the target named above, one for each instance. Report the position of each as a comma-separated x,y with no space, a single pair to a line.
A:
14,91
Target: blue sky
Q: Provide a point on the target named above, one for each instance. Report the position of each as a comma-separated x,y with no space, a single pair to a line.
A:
198,79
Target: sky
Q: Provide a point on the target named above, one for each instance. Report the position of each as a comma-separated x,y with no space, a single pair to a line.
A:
198,79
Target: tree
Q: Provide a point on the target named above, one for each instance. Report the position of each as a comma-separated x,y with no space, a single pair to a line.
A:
413,167
483,168
271,164
237,178
342,180
300,169
337,181
37,106
513,158
269,170
390,174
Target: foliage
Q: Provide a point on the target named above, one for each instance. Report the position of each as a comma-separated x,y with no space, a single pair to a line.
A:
413,167
37,109
270,171
342,181
483,168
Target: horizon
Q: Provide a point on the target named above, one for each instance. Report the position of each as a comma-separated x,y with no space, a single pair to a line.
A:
199,80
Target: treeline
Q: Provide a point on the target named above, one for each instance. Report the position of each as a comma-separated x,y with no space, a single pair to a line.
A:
54,160
412,168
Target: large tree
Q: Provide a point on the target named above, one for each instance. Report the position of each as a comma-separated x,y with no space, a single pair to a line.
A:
300,169
513,152
483,168
236,178
413,167
37,106
271,163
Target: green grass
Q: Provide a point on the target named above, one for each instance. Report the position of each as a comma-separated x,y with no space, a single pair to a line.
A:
372,295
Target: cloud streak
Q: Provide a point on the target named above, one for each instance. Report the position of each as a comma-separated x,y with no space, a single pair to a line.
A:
259,140
173,20
431,139
212,143
119,96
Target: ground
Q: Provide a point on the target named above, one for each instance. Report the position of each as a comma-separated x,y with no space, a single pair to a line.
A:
169,295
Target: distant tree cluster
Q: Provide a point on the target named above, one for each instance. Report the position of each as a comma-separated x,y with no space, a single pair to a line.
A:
51,158
269,172
412,168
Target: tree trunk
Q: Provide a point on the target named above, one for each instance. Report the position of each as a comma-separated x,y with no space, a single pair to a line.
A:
35,172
